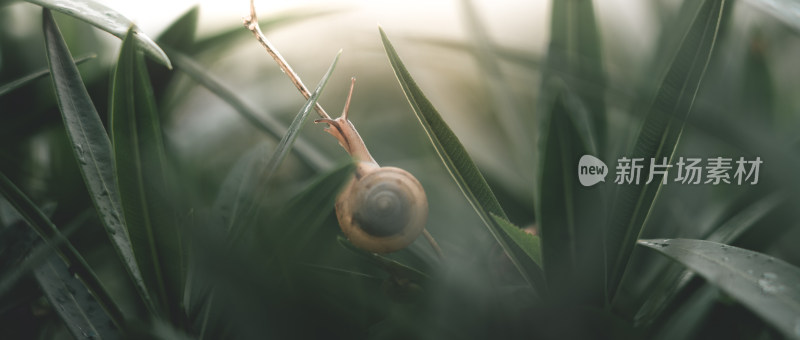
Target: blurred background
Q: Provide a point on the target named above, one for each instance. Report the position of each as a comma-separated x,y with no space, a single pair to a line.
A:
747,106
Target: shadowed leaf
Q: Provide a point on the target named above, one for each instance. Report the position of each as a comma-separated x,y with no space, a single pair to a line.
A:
73,303
766,285
570,215
13,85
50,234
659,137
91,147
143,183
455,159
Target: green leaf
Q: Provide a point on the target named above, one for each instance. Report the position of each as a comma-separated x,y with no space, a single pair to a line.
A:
291,135
575,53
106,19
253,183
141,167
297,224
394,268
73,303
670,281
13,85
529,243
266,123
570,215
764,284
20,260
239,187
179,36
50,234
455,158
659,137
91,147
181,33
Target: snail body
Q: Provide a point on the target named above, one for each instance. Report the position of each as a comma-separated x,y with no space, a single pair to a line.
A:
382,209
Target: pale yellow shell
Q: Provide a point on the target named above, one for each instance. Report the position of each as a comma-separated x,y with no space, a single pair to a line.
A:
382,211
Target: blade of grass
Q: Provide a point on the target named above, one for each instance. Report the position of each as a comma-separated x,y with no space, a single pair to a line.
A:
265,173
570,215
91,147
575,50
180,34
394,268
298,226
239,187
765,285
455,159
291,134
143,183
73,303
106,19
266,123
659,137
15,84
22,261
50,234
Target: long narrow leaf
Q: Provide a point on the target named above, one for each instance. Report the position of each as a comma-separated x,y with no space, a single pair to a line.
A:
181,33
659,137
13,85
73,303
289,138
47,231
570,215
455,158
106,19
24,257
575,52
90,145
258,175
320,196
766,285
394,268
141,167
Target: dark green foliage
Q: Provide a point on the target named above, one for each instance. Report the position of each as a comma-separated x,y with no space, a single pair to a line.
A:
115,224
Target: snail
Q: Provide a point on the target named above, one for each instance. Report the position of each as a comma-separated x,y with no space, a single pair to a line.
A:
382,209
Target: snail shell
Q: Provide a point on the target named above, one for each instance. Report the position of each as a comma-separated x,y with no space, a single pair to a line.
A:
382,209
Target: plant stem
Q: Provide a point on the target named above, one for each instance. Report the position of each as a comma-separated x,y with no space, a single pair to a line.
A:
251,22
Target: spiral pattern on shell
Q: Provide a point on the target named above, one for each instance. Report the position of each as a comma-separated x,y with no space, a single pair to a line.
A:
383,211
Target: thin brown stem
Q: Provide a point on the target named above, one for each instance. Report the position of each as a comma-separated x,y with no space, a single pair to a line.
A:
251,22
